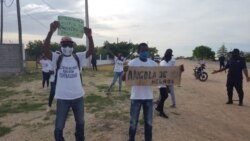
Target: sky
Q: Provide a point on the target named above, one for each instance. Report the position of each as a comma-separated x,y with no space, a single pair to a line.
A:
180,25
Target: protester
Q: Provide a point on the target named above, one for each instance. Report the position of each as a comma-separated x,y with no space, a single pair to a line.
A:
46,65
94,62
118,71
141,96
167,61
69,91
52,84
222,61
235,66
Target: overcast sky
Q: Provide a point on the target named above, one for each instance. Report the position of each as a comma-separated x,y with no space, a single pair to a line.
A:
178,24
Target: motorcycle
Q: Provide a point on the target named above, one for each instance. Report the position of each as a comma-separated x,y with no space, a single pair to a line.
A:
199,72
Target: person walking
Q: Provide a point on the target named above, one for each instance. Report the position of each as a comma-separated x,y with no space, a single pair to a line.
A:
141,96
236,65
46,66
167,61
69,92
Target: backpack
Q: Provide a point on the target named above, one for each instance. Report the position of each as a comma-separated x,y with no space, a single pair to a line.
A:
58,65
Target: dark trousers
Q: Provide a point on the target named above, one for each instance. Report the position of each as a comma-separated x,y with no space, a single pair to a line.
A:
162,98
52,93
94,67
237,84
46,76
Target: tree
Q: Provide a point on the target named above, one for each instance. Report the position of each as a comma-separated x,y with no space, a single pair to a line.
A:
222,51
203,52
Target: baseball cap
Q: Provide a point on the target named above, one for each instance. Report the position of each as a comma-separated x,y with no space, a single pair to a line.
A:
66,39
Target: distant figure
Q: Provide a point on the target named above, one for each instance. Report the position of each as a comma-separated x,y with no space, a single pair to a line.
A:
222,61
46,65
118,70
235,66
93,62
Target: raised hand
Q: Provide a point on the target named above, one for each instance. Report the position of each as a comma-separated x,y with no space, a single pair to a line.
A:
88,32
54,25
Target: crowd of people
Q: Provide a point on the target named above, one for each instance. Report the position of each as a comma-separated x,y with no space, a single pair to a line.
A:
63,70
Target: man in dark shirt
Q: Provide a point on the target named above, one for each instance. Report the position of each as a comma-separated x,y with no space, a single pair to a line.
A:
235,66
222,61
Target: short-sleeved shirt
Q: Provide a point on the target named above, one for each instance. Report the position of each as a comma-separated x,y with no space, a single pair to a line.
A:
45,65
167,64
235,67
119,64
68,84
142,92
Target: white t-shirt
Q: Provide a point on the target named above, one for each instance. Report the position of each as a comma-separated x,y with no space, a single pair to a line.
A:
68,85
167,64
119,64
46,65
142,92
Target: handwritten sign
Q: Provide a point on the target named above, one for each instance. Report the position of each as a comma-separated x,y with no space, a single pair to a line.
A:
69,26
153,76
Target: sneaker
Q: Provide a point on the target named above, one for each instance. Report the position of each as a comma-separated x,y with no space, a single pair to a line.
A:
229,102
48,109
173,106
162,114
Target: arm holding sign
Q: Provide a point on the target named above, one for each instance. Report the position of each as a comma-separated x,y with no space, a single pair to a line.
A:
88,33
46,47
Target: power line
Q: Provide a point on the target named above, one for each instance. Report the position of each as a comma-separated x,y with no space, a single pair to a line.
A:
48,4
33,18
8,6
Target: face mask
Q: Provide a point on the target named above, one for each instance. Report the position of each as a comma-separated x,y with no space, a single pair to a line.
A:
67,50
144,55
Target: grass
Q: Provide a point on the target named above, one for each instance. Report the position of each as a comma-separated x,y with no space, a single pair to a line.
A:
23,107
4,130
117,115
95,103
6,93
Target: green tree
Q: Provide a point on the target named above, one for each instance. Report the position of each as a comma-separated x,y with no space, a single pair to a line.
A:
203,52
222,51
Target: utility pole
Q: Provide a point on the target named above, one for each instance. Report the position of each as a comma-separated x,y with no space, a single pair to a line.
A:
20,33
87,25
1,38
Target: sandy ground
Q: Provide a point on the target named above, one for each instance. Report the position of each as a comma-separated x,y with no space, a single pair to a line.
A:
201,113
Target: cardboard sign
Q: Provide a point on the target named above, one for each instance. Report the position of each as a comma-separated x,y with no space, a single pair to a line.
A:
153,76
69,26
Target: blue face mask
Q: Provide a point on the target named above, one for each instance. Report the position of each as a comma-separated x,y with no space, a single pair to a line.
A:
144,55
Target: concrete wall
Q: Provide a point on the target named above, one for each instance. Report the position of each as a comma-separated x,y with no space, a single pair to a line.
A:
10,58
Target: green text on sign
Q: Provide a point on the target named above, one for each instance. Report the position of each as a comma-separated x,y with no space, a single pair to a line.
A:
69,26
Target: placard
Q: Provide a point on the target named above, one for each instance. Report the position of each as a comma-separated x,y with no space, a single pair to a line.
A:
73,27
154,76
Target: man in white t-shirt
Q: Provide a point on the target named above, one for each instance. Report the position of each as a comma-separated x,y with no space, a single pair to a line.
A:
46,65
118,70
167,61
69,91
141,96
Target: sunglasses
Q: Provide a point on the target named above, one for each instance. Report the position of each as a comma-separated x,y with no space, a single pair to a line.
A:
70,45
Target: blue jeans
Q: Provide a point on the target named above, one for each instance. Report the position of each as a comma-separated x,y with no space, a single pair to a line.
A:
63,107
135,108
117,75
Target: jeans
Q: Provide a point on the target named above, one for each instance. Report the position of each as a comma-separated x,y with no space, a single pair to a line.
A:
135,107
46,76
117,75
63,107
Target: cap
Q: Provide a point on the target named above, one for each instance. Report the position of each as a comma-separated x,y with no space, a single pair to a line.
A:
66,39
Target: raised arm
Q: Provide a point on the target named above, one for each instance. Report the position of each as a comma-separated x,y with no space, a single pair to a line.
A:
46,47
88,33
